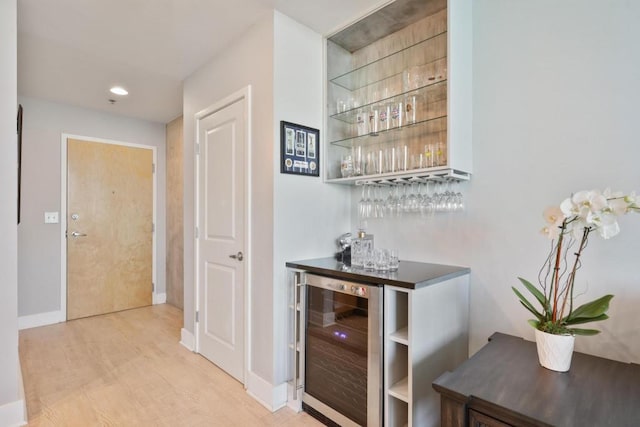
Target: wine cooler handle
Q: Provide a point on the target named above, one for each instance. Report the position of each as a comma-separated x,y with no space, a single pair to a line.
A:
296,362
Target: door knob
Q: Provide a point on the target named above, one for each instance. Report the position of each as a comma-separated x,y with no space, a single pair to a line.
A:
239,256
76,234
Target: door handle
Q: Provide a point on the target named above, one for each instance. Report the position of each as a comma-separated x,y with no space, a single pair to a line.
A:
239,256
76,234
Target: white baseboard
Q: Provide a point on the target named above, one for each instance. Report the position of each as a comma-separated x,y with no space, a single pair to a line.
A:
270,396
158,298
21,395
187,339
14,414
40,319
294,404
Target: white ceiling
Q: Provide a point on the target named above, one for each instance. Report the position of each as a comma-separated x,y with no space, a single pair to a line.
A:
73,51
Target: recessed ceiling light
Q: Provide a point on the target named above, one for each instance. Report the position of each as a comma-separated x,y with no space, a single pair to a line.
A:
117,90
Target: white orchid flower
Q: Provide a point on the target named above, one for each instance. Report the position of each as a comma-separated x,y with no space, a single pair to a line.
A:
593,218
593,201
551,231
592,210
597,201
579,196
578,204
618,206
568,208
609,226
554,216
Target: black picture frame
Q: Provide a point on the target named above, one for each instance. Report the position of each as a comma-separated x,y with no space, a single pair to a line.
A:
299,149
19,130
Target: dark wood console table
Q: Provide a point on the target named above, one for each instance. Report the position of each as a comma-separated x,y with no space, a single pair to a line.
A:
503,385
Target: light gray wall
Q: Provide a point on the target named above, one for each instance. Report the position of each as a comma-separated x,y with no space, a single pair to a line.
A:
308,214
9,363
39,244
293,217
248,61
554,107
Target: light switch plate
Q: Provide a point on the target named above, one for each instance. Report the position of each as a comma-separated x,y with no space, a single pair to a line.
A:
51,217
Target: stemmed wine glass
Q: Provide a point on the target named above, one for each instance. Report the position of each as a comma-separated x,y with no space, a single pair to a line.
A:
449,199
363,204
390,203
378,203
460,201
427,207
401,199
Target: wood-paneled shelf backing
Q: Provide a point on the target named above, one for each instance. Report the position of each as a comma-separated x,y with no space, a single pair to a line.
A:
429,54
395,93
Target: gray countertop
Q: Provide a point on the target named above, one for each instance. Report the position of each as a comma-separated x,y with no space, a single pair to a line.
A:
410,275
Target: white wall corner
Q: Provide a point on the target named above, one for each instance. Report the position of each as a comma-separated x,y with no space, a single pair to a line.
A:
14,413
270,396
158,298
187,339
41,319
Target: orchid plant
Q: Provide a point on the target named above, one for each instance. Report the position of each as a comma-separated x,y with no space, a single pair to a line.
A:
569,224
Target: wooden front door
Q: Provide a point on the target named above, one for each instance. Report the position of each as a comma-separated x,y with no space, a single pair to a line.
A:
109,227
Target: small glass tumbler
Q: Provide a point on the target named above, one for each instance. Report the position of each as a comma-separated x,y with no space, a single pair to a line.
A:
374,121
394,260
346,166
362,123
385,118
341,106
369,260
358,161
397,114
381,260
410,107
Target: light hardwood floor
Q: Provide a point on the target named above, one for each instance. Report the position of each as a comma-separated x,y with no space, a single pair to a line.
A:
128,369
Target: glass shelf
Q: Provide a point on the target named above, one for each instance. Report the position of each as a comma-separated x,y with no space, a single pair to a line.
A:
422,53
433,91
387,136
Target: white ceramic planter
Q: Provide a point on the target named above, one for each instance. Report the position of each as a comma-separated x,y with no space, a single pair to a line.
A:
555,351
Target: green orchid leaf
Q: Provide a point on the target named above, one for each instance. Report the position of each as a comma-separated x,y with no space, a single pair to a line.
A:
585,320
534,323
585,332
527,304
531,310
591,309
536,292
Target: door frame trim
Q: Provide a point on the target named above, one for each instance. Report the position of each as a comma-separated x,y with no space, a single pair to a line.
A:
242,94
63,212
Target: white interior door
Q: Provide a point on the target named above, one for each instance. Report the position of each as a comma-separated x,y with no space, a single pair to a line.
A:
221,237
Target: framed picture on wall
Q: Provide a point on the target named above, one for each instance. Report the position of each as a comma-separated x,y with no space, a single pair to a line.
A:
299,149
